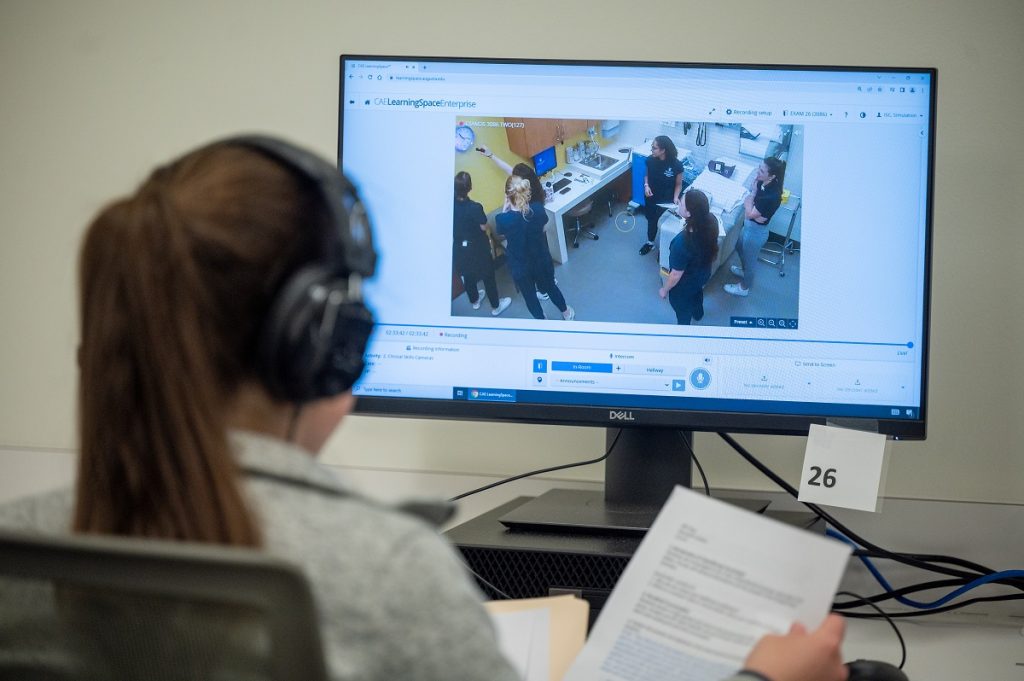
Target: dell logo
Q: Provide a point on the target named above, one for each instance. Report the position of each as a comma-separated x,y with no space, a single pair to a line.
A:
621,416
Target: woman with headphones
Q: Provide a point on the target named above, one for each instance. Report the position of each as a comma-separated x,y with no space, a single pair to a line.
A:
217,358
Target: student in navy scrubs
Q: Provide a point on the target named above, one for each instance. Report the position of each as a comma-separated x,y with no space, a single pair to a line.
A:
759,207
522,225
662,184
471,248
525,171
690,256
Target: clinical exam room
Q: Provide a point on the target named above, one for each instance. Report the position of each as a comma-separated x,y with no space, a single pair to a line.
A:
593,173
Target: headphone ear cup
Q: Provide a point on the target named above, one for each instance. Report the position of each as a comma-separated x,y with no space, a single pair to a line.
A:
345,360
299,358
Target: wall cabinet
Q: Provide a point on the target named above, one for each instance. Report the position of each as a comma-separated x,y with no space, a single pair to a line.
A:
575,126
534,135
530,136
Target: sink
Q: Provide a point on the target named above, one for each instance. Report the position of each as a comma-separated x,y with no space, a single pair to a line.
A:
600,162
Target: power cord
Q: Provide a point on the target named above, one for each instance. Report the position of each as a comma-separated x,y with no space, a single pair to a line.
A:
980,581
903,644
492,485
931,563
486,583
693,455
933,611
540,471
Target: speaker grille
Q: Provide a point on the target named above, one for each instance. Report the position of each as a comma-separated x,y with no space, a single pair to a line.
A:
530,574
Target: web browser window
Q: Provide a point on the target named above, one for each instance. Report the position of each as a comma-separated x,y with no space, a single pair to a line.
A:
843,330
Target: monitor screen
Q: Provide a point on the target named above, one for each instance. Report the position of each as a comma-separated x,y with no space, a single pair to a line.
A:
812,305
544,161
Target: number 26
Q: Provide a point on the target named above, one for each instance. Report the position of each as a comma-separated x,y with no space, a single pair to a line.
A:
828,478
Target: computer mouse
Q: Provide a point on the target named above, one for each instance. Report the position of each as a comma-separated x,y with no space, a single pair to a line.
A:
568,173
874,670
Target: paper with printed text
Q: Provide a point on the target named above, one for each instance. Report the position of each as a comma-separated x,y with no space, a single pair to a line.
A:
706,583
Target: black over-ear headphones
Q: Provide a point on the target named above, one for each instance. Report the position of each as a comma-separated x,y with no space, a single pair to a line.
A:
315,334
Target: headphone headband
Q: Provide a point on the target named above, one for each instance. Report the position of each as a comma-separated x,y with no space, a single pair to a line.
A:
349,249
313,339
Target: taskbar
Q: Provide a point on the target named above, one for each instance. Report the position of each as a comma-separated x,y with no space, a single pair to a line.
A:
711,404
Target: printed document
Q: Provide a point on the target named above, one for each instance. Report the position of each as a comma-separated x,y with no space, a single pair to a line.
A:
706,583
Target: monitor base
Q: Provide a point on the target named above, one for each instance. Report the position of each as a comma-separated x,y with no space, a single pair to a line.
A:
528,564
589,511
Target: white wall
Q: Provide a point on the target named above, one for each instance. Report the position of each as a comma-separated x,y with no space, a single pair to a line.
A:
93,94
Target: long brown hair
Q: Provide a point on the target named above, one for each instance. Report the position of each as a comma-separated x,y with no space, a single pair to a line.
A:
174,283
777,168
702,224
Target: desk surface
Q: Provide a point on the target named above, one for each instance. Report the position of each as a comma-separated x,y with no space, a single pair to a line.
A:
583,183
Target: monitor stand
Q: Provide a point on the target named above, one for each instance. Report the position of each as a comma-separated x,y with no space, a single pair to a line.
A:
642,469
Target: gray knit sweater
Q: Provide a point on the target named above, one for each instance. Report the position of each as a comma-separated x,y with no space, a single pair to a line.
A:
394,601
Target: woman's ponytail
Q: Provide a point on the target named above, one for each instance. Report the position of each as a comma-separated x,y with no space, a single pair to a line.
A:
174,282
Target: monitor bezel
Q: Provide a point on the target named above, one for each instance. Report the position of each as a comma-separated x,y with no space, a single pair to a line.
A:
765,422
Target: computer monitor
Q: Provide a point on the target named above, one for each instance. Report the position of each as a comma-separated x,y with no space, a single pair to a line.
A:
835,324
544,161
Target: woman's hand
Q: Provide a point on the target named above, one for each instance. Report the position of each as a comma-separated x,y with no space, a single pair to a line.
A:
663,292
647,190
801,656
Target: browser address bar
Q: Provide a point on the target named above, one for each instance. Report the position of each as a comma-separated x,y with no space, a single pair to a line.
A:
724,108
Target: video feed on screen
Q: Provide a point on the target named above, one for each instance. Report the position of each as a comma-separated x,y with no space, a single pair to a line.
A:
639,222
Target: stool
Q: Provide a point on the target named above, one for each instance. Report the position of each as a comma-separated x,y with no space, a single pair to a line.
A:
577,213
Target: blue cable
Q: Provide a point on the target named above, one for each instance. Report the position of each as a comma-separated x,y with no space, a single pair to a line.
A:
981,581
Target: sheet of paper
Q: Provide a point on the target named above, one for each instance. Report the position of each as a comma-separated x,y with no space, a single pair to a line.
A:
566,630
523,638
706,583
842,467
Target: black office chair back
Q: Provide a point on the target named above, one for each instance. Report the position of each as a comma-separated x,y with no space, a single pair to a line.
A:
114,609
